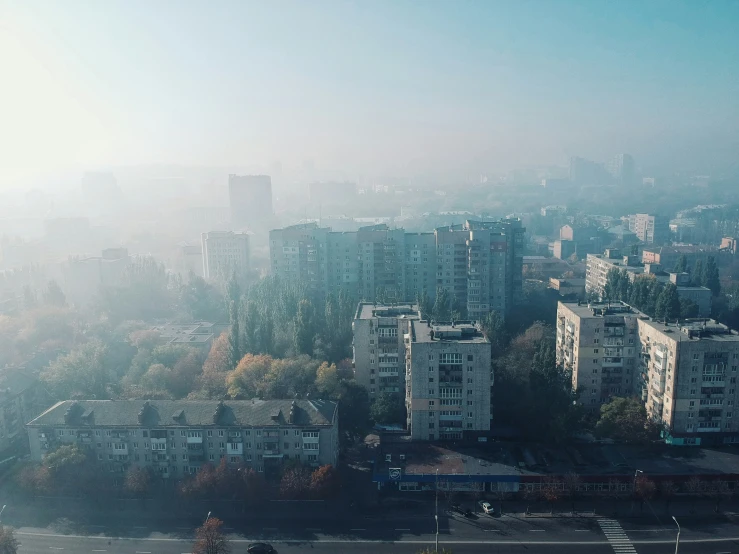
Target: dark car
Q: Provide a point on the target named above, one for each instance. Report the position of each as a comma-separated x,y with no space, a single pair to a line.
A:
260,548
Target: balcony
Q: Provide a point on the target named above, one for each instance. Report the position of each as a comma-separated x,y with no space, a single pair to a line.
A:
194,437
159,444
234,448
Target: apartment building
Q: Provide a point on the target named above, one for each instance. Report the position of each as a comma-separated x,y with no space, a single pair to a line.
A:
650,229
599,344
21,399
378,347
690,380
598,267
448,381
176,437
225,253
479,263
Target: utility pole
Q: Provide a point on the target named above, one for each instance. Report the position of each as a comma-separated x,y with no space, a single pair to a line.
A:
436,509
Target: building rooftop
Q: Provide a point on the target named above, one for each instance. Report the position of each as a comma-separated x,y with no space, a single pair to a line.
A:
188,413
368,310
696,329
423,331
601,309
502,461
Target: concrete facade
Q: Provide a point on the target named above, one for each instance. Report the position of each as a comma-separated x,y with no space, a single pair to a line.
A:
598,343
176,437
225,253
448,382
650,229
689,375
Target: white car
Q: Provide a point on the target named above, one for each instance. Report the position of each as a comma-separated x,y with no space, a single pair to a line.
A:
487,508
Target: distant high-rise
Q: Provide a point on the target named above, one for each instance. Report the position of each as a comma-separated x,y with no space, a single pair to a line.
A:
651,229
225,254
622,169
250,197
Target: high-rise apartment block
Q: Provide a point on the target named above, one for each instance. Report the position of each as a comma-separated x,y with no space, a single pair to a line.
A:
622,169
685,373
250,197
378,347
479,263
651,229
176,437
598,343
448,381
690,380
225,254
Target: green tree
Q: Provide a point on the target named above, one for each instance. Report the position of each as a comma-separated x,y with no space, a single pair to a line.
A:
688,308
425,306
697,273
305,331
625,420
53,295
710,277
233,298
681,266
83,372
354,407
668,303
493,327
442,311
388,408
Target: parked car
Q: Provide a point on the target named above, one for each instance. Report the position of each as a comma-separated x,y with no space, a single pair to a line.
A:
487,507
260,548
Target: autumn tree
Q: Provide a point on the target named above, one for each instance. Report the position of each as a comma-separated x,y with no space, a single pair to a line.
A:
295,482
83,372
212,381
8,543
328,380
210,538
644,489
138,481
625,419
324,482
667,490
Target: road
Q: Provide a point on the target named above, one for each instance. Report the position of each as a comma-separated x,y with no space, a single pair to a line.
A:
407,535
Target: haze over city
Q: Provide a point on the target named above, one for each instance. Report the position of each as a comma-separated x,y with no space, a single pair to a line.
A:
375,89
415,277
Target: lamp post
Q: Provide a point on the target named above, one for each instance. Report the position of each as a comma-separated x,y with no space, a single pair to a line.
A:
677,540
2,510
207,517
636,474
436,509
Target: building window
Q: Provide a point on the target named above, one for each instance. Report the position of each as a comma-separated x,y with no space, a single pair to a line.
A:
595,350
470,357
469,414
220,432
210,433
285,432
431,402
431,379
211,457
97,432
259,432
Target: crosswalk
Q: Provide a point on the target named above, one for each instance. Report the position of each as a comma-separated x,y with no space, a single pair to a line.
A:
616,536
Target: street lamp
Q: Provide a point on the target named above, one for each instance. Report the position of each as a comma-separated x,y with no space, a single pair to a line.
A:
436,509
207,517
677,540
2,510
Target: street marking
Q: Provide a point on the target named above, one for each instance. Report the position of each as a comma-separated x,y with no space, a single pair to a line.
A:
581,530
537,530
616,536
99,550
402,529
56,548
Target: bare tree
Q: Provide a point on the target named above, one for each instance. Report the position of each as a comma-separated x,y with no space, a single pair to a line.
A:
694,487
571,487
718,491
209,538
667,490
644,489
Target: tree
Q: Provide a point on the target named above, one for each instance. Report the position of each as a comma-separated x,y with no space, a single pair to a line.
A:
425,306
353,410
644,489
305,331
571,487
324,482
688,308
388,408
82,372
244,381
138,481
710,276
697,273
328,381
295,482
8,542
53,295
210,539
719,490
493,327
668,303
694,487
442,311
681,266
667,490
625,420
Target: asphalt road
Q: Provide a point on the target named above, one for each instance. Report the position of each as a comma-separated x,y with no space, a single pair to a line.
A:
506,535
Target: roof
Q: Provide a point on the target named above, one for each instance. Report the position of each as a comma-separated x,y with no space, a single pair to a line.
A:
445,332
190,413
692,330
368,310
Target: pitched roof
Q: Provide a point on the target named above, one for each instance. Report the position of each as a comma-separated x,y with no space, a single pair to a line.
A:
188,413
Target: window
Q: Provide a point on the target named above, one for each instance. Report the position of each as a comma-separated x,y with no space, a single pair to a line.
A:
728,414
174,457
595,360
297,445
469,414
432,391
146,434
595,350
110,456
432,414
211,457
431,402
210,433
259,432
469,392
210,444
469,380
431,379
100,445
259,446
470,357
119,446
595,341
692,403
110,445
97,432
247,445
100,457
285,432
690,415
297,432
469,402
221,445
693,379
220,432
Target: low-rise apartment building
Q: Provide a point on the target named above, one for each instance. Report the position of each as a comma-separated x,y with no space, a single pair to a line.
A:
599,344
598,266
448,381
176,437
690,380
378,348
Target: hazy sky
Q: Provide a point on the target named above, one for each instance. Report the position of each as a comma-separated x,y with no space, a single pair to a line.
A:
367,86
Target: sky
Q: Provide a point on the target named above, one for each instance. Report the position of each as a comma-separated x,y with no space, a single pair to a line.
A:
372,87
